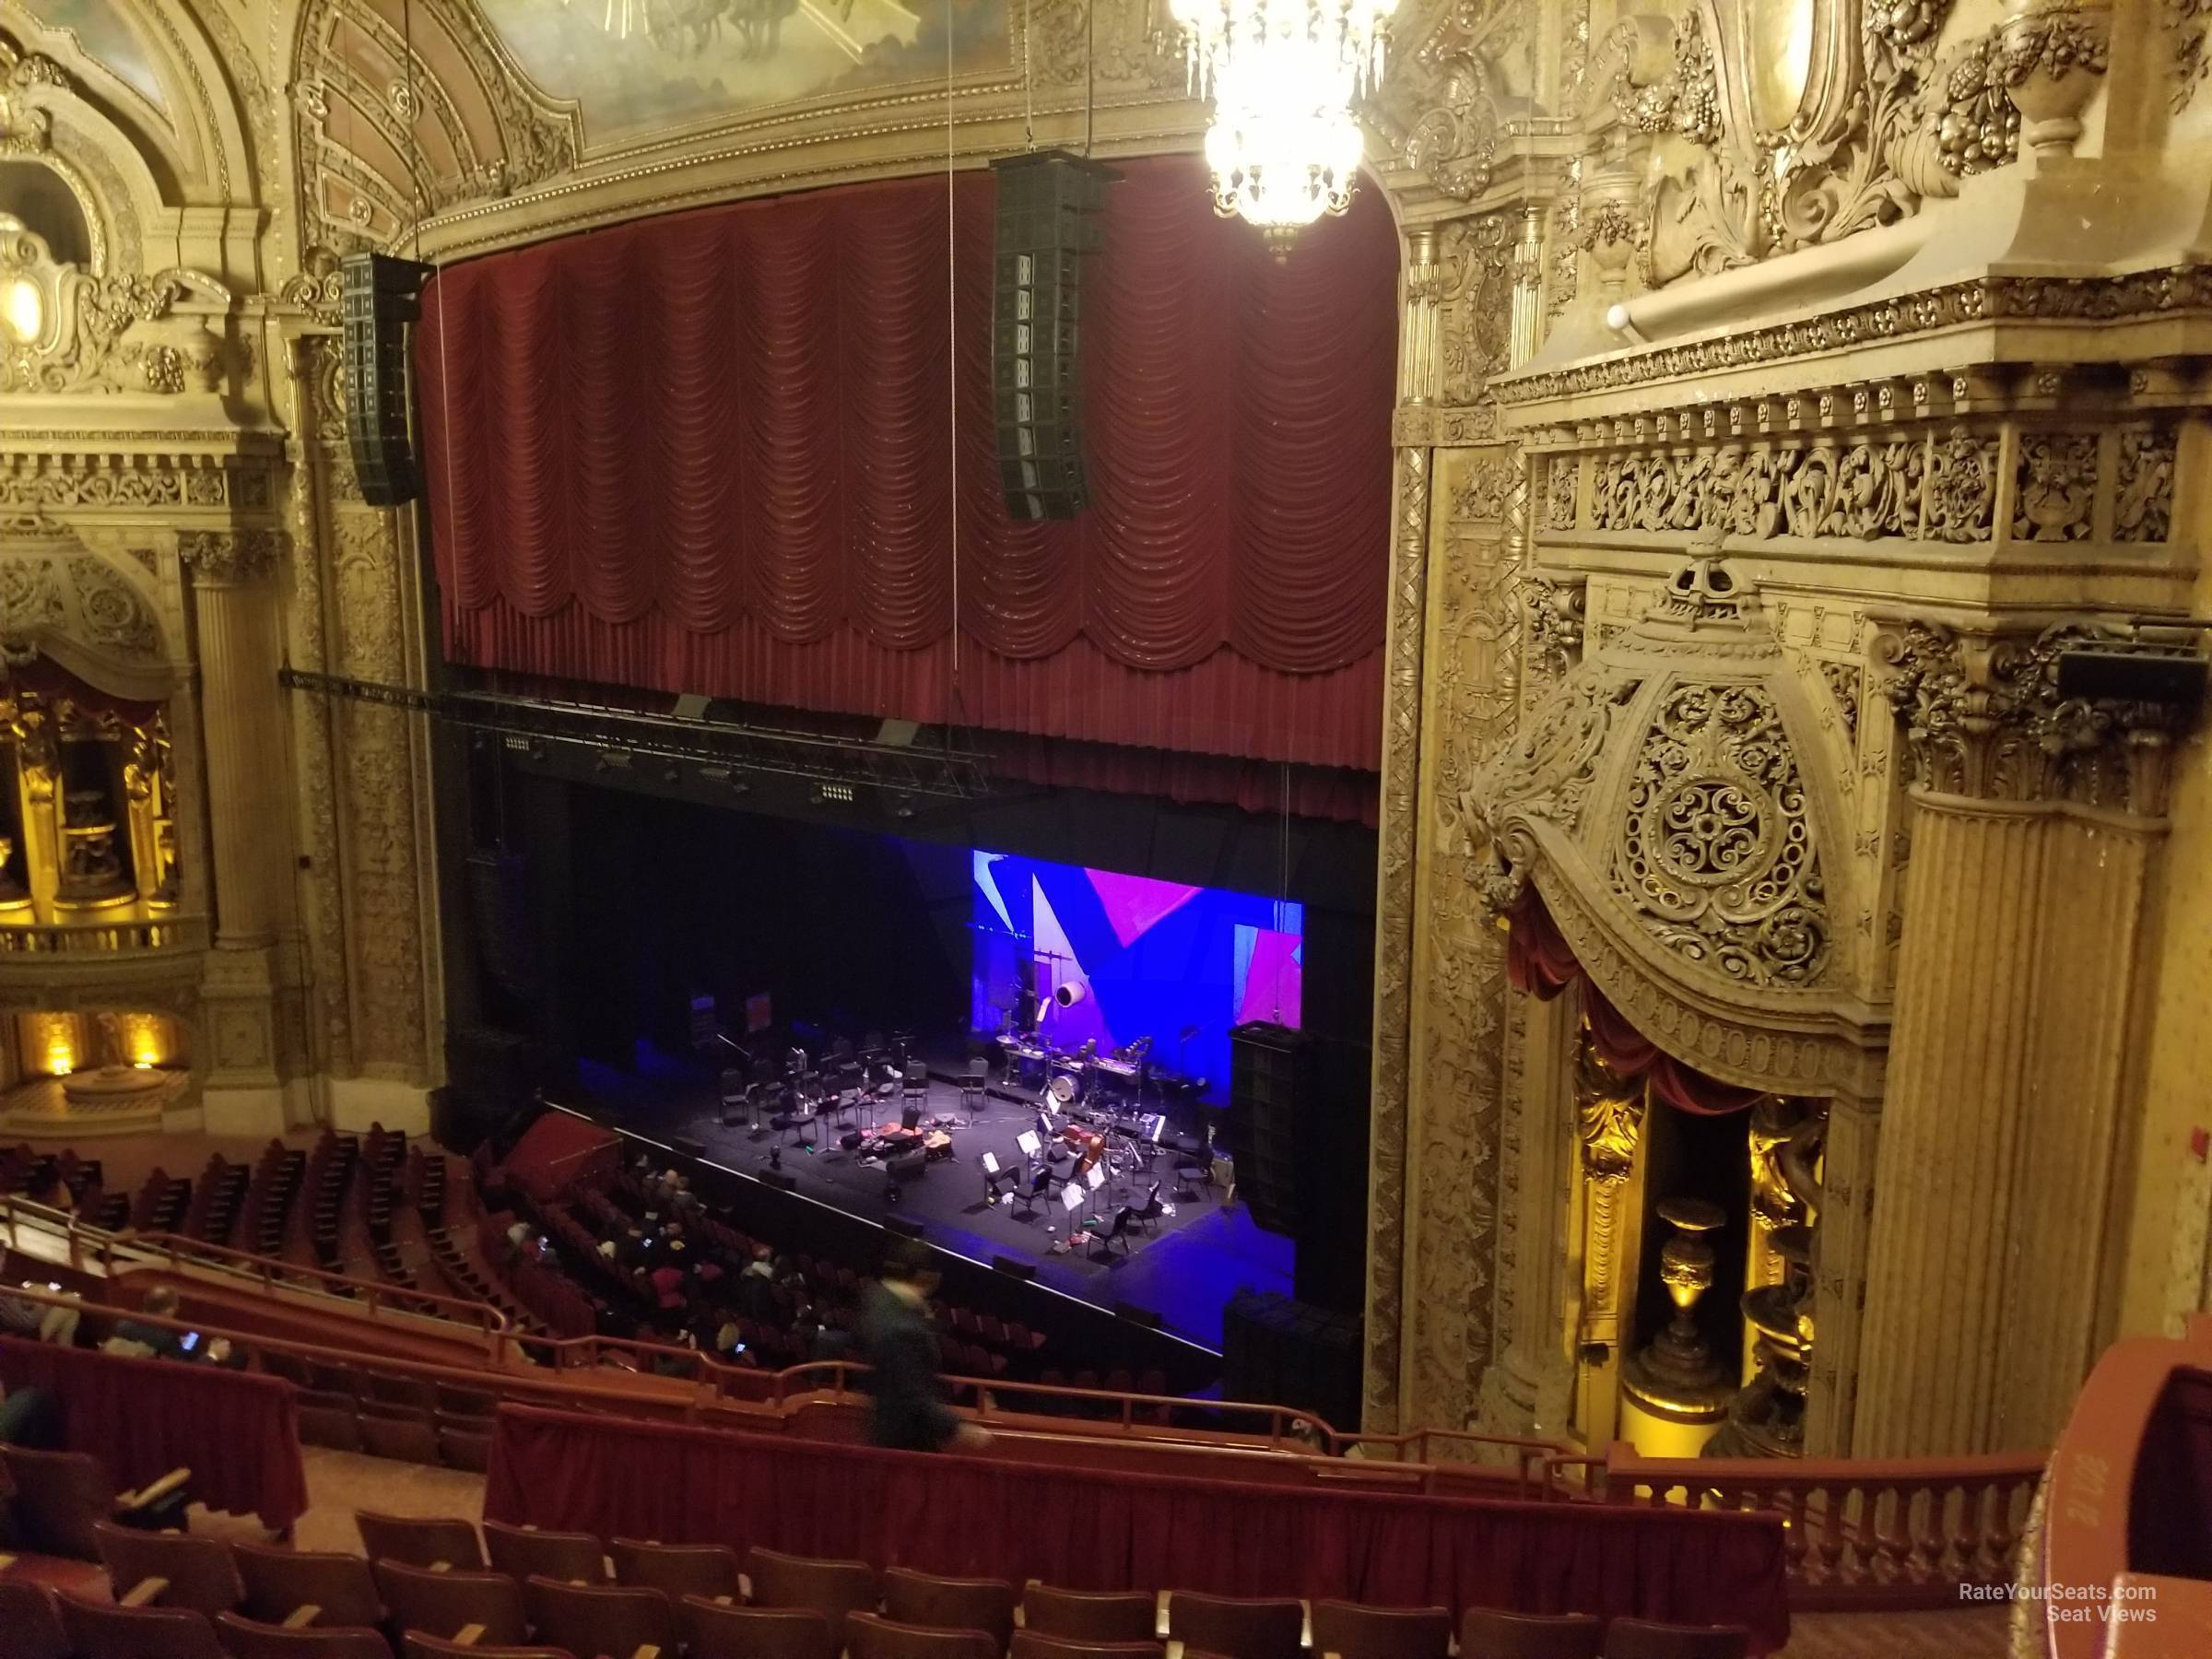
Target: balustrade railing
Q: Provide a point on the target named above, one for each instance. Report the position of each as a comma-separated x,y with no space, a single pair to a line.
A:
1862,1533
99,936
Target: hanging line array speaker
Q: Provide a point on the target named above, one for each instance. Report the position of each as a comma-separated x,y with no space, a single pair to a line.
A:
1044,232
382,299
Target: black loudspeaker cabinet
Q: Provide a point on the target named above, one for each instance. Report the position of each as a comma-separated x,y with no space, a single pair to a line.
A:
490,1076
1043,233
499,897
382,296
1284,1352
1271,1088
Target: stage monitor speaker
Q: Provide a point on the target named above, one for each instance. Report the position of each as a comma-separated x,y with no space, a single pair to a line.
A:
780,1181
1136,1315
1044,232
683,1146
1022,1271
902,1227
1270,1077
382,296
907,1165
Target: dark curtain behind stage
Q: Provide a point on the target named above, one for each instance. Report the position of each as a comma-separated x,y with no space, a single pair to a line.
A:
852,931
711,452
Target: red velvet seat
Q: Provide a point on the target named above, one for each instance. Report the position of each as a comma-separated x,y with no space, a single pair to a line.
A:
593,1619
1646,1638
831,1588
445,1603
430,1647
197,1573
524,1552
1488,1633
1028,1644
677,1569
449,1542
1352,1631
280,1582
715,1631
950,1603
1236,1627
104,1630
871,1636
249,1639
1093,1615
33,1625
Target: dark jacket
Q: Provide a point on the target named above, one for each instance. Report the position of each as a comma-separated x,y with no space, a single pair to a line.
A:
900,1345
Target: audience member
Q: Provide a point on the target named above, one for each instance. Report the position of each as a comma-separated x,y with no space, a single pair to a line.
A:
137,1337
909,1412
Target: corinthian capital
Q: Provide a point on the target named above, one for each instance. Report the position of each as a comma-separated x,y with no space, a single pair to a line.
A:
229,558
1984,719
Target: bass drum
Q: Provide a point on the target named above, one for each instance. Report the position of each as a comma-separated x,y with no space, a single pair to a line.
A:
1062,1090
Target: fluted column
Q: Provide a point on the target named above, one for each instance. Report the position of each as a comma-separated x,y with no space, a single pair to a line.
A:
1530,1389
242,755
1992,1241
1928,1352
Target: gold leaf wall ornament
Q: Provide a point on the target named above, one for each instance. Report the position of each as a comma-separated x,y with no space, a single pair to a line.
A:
94,342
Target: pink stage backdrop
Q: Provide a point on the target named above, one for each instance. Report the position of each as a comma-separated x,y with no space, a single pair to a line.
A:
711,452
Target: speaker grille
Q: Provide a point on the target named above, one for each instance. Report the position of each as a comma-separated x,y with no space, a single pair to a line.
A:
382,296
1044,232
1267,1085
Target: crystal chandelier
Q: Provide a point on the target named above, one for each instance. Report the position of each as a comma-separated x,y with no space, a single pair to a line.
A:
1283,146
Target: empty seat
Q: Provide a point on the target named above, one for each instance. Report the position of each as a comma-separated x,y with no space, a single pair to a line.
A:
1236,1627
439,1541
524,1552
1646,1638
467,1402
33,1627
104,1630
872,1636
831,1588
281,1581
324,1426
1028,1644
249,1639
715,1631
464,1448
1486,1633
1352,1631
1089,1614
430,1647
60,1496
950,1603
588,1618
677,1570
403,1390
410,1439
192,1572
445,1603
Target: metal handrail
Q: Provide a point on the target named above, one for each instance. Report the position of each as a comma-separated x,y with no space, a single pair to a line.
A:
96,936
174,1251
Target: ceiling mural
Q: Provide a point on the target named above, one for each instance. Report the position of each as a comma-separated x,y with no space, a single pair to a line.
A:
640,67
104,31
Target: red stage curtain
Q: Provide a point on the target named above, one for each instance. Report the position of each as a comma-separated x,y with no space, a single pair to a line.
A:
711,452
237,1431
1087,1529
1539,960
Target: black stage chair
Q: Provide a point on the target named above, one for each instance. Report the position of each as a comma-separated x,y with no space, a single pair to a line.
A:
971,1092
1118,1232
1039,1189
917,1085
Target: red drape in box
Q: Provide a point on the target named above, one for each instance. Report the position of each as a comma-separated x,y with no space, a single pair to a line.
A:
1087,1529
1539,960
237,1431
713,452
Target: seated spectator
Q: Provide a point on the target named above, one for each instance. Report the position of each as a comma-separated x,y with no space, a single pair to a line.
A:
41,1321
31,1417
135,1337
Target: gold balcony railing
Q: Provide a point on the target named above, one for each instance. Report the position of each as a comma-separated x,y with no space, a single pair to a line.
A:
102,936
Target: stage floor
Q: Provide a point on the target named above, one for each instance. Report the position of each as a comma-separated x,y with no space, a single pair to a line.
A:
1185,1271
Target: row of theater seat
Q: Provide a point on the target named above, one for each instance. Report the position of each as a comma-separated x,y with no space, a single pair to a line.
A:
435,1587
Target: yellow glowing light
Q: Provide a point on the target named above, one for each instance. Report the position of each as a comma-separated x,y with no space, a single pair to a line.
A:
142,1065
23,311
61,1059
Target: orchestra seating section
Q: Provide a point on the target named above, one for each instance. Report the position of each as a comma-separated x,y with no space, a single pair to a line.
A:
438,1586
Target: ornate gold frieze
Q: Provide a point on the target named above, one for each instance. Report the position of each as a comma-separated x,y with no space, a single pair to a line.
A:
2174,295
1553,606
76,481
87,341
1984,719
229,555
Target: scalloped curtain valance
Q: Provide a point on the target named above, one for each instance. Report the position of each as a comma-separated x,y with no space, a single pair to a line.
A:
1539,960
713,452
